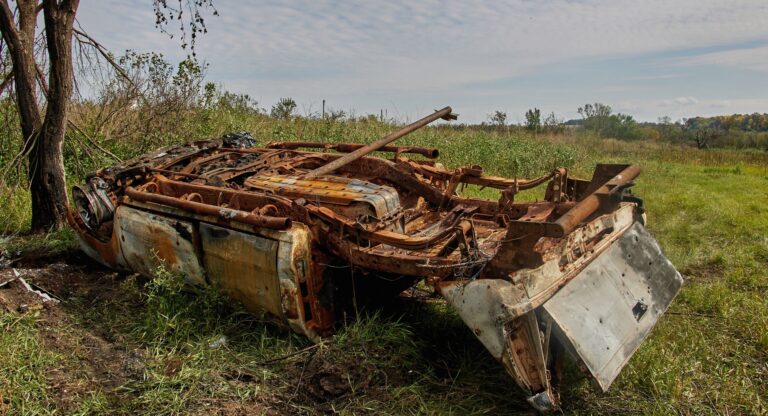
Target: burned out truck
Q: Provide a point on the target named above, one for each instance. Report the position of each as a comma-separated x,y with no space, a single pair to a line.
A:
300,231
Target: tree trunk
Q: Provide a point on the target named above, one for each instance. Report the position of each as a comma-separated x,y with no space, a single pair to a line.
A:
42,139
47,182
21,47
46,159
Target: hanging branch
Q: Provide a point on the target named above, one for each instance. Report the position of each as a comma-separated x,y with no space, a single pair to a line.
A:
93,142
44,89
190,23
86,39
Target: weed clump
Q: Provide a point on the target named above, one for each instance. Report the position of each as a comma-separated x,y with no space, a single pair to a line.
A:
175,315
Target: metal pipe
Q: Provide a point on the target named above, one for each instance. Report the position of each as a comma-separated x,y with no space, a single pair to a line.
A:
429,152
383,236
586,207
173,172
275,223
445,114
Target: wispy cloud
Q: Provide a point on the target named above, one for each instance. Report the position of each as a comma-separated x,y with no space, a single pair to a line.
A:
652,77
680,101
369,54
754,58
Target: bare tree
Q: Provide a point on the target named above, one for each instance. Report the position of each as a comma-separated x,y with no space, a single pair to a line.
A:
43,133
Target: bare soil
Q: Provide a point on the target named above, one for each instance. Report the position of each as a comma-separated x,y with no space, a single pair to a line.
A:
101,364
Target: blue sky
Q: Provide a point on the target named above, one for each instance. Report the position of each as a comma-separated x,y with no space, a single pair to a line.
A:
677,58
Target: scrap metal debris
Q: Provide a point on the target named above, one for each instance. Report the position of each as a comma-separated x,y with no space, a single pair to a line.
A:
32,288
307,235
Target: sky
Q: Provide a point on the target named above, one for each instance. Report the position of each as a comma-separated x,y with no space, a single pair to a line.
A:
650,58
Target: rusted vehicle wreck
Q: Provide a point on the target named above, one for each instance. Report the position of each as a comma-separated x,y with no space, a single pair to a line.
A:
297,234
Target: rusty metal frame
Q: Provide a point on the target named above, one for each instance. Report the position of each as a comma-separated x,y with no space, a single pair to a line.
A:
515,255
428,152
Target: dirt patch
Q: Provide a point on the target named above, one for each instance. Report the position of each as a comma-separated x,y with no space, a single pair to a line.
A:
334,374
97,360
90,364
73,275
42,258
97,367
15,297
223,407
705,271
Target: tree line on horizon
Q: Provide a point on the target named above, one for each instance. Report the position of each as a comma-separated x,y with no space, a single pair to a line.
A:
729,131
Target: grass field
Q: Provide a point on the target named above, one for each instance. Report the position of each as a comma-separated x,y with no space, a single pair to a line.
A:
122,345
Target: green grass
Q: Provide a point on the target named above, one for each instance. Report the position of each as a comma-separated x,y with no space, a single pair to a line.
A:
177,332
708,355
25,372
22,378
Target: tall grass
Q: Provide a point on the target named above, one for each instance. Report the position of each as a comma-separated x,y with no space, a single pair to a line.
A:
513,153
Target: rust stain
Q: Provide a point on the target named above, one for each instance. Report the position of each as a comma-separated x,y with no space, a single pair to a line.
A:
310,236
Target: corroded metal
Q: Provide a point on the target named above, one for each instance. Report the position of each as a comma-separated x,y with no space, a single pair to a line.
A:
445,113
276,231
429,152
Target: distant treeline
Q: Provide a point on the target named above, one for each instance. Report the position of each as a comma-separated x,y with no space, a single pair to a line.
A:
736,131
743,122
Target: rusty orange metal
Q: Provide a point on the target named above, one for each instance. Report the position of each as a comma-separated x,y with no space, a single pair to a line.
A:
302,236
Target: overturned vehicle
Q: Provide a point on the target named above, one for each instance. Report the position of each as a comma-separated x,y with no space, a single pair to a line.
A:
301,234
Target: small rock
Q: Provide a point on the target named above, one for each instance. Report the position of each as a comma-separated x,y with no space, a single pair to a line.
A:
220,342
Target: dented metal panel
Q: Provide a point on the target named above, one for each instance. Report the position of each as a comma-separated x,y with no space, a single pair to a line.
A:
264,273
486,305
244,266
148,241
612,305
293,273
